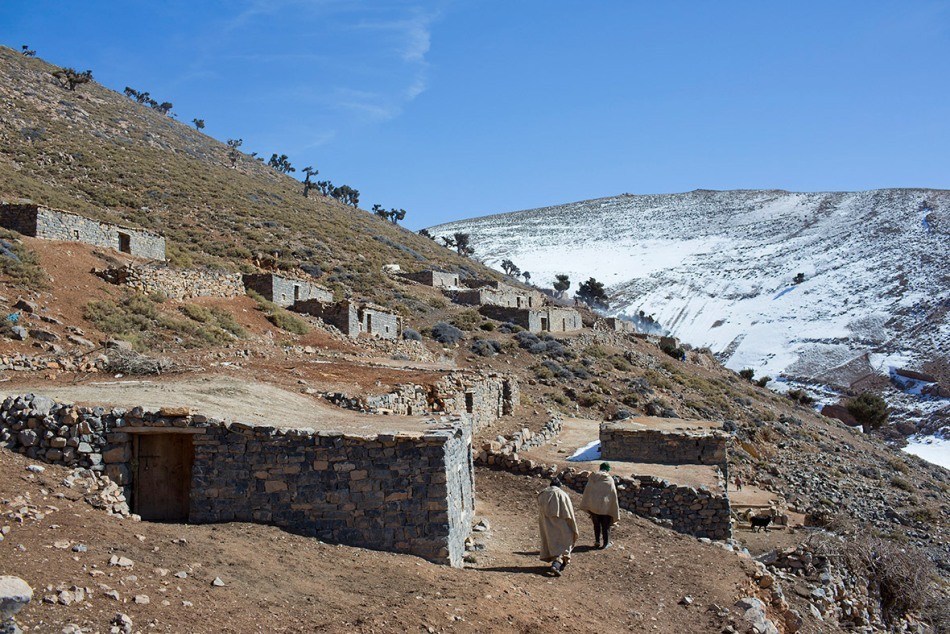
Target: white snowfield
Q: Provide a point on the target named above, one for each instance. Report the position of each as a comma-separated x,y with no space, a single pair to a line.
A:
717,269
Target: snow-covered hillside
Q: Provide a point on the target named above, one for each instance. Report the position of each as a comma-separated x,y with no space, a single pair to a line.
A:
718,269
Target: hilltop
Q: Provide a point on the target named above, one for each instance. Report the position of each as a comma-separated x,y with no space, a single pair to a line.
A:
99,154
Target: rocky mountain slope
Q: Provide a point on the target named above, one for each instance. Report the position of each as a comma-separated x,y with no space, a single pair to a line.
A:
823,288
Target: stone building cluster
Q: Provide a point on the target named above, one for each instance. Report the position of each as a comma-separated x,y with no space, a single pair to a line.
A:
633,442
401,492
52,224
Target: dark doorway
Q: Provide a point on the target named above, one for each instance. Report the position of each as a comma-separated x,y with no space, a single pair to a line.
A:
125,242
544,323
163,476
369,323
296,292
469,402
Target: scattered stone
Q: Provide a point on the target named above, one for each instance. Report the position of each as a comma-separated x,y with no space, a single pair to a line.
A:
217,582
181,574
121,624
19,333
142,599
687,600
80,548
121,562
35,468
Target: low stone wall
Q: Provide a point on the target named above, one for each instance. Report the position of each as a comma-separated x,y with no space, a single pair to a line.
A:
408,493
619,441
175,283
481,399
693,511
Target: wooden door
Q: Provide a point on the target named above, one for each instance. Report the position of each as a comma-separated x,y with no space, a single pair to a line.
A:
163,476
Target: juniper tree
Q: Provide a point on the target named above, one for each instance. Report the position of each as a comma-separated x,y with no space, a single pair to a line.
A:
325,187
561,283
69,78
425,234
510,268
281,163
395,215
233,152
592,293
460,242
199,124
307,183
27,51
527,276
380,211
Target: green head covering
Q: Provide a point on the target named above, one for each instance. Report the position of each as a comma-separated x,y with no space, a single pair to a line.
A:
605,466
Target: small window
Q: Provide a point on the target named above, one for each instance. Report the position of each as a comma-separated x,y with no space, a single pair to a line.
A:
75,234
296,292
469,402
125,242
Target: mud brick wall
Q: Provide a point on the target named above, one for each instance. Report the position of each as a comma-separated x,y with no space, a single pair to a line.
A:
411,493
175,283
51,224
620,442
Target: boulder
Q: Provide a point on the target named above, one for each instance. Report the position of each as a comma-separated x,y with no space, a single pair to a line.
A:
14,595
43,335
841,413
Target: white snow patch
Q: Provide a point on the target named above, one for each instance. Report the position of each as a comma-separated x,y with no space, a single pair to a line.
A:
587,453
930,448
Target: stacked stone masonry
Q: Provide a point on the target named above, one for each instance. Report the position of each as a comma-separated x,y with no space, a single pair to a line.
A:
285,291
501,295
175,283
435,279
353,319
407,493
632,443
547,319
693,511
51,224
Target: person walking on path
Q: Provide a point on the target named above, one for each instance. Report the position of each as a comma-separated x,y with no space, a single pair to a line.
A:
557,525
600,501
738,482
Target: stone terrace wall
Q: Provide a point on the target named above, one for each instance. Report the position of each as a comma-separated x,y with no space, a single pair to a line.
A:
175,283
693,511
402,493
622,442
51,224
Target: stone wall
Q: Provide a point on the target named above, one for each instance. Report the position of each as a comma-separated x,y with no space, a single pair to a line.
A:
352,319
436,279
630,443
502,295
408,493
548,319
175,283
614,324
482,399
51,224
285,291
693,511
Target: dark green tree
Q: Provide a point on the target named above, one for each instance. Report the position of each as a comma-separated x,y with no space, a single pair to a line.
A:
380,211
164,107
593,294
561,283
526,276
233,152
425,233
346,195
799,278
461,242
510,268
281,164
325,187
869,409
69,78
199,124
307,183
395,215
747,374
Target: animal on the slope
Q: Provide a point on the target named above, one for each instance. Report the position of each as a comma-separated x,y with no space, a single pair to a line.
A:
760,521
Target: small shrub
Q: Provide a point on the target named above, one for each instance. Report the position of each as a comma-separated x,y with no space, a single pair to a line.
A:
621,364
557,370
673,350
486,347
901,483
595,351
20,264
763,381
411,335
467,320
281,318
509,327
526,340
446,333
747,374
801,396
487,326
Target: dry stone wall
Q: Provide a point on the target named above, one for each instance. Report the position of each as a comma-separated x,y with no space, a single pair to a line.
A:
693,511
175,283
408,493
621,441
52,224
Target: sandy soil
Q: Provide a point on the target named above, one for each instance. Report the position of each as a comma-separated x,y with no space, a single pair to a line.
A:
279,582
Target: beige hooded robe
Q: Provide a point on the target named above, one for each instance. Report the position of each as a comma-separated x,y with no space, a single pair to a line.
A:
600,496
556,522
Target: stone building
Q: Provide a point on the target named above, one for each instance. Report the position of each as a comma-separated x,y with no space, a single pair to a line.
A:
615,324
496,294
53,224
538,320
408,492
353,318
285,291
436,279
664,441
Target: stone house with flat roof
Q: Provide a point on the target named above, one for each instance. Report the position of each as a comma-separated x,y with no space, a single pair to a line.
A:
353,318
285,290
537,320
38,221
435,279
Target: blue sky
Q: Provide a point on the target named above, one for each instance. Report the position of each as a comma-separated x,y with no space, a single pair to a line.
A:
459,108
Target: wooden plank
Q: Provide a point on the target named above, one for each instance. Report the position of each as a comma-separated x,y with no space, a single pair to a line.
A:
163,476
161,430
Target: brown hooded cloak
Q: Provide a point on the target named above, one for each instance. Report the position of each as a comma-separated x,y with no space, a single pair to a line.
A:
556,522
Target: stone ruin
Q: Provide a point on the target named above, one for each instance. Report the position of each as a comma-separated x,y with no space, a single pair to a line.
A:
174,283
660,441
53,224
435,279
285,291
406,492
537,320
353,318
